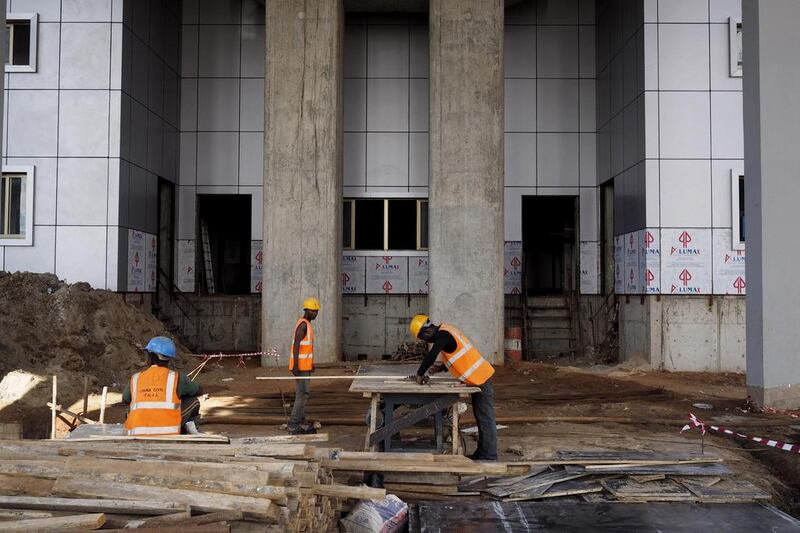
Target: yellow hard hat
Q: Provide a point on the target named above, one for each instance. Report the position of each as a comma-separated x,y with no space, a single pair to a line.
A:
311,304
417,323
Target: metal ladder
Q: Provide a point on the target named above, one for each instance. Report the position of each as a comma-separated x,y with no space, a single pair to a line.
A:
209,266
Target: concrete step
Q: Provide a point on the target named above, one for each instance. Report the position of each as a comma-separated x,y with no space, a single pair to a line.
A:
551,347
546,301
551,312
550,334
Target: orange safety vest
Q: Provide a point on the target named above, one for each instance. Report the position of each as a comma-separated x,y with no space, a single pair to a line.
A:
305,358
465,362
155,407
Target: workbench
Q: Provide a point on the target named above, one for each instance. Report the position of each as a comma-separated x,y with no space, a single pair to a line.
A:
432,400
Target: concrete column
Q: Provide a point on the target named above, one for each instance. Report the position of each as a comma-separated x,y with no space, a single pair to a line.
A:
771,68
3,54
303,172
466,169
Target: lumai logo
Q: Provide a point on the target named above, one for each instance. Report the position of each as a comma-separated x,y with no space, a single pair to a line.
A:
734,259
684,238
685,276
387,264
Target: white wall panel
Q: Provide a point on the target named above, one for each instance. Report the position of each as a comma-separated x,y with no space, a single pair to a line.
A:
519,52
520,105
685,193
387,105
682,11
31,123
251,158
557,51
219,51
683,56
82,191
83,123
37,258
355,159
387,159
557,105
387,51
727,136
218,102
81,254
520,159
217,158
354,112
557,165
684,125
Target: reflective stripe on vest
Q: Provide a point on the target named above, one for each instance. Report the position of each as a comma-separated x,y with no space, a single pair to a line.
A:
305,355
465,362
159,413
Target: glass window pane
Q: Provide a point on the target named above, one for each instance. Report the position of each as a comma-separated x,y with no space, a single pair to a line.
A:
423,224
347,227
402,224
369,224
15,207
22,43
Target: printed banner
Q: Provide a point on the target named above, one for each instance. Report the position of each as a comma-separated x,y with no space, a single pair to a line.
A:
418,275
631,260
729,264
256,266
151,263
387,275
136,261
650,261
184,265
353,276
686,261
590,268
619,264
512,267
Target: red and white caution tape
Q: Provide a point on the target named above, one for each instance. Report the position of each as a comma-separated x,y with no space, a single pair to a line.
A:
243,357
703,427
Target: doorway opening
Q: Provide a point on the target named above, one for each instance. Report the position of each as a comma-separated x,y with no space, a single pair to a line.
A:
549,244
224,225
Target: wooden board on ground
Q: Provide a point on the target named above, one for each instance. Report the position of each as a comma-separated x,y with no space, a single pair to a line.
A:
195,439
439,385
529,485
713,469
655,491
728,491
568,488
138,507
642,458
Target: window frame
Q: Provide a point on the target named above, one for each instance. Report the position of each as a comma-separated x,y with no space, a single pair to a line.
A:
28,173
737,244
420,201
417,229
735,68
33,18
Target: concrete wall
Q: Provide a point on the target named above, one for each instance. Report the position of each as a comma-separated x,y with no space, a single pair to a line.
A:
375,325
684,333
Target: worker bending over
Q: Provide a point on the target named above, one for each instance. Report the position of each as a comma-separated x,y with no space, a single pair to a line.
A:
161,401
466,363
301,364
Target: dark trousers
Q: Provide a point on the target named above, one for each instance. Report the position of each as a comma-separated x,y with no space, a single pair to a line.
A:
190,411
301,395
483,410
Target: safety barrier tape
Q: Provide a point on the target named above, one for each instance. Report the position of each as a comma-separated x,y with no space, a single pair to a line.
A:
243,357
694,422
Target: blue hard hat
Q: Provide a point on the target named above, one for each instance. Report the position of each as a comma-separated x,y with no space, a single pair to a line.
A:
162,346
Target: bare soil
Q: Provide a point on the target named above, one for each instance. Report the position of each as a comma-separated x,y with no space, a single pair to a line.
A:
48,327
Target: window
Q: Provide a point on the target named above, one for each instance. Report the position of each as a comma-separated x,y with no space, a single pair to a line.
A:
21,42
388,224
16,206
737,209
735,30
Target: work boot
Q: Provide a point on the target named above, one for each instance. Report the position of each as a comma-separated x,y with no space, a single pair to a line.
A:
191,428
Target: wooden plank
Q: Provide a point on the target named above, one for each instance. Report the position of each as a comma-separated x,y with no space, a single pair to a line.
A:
714,469
347,492
728,491
655,491
118,506
185,521
57,523
76,416
631,457
23,514
53,409
103,397
253,508
568,488
648,478
373,421
219,527
507,481
222,439
421,488
427,479
378,466
280,439
529,484
455,436
706,481
386,456
412,417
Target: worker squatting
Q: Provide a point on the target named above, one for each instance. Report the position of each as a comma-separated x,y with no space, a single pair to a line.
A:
165,402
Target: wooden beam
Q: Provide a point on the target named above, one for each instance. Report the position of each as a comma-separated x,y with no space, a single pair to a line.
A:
76,416
253,508
409,419
103,399
347,492
57,523
185,521
140,507
53,409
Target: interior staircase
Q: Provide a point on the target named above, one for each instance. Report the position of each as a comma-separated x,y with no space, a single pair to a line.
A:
550,327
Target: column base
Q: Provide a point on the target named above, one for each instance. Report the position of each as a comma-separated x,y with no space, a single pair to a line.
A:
782,397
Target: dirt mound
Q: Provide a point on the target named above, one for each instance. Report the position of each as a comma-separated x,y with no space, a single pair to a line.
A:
71,330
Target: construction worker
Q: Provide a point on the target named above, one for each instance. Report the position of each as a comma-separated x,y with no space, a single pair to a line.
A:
301,364
161,401
466,363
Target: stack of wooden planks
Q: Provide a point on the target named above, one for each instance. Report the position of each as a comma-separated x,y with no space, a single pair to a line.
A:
272,483
591,476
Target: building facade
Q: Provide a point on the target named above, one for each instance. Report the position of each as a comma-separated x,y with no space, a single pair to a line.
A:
495,163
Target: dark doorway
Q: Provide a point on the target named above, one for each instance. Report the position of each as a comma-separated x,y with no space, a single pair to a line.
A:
224,242
548,243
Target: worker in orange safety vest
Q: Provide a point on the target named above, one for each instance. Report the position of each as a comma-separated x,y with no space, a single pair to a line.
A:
464,362
301,364
161,401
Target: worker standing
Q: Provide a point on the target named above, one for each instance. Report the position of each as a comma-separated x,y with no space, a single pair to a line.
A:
301,364
161,401
465,363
